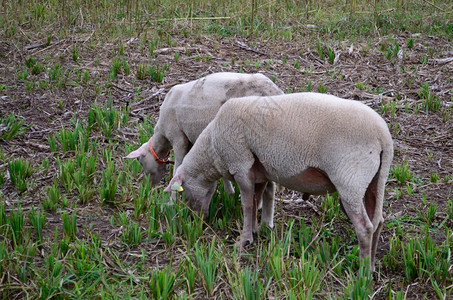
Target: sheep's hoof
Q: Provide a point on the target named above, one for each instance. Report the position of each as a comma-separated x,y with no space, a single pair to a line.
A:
240,245
267,223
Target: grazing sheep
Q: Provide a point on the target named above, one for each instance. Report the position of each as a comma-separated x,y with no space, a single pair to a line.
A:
313,143
187,110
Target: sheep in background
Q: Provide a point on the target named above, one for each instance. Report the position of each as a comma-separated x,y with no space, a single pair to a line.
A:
187,110
313,143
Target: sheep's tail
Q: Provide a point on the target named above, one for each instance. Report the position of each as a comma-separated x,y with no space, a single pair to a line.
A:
379,182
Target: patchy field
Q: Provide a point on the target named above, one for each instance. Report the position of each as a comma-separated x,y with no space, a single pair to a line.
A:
76,220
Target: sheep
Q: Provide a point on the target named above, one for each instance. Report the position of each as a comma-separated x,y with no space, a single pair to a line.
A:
186,111
309,142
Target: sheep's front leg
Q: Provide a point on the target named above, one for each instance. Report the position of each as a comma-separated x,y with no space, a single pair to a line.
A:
180,148
376,235
247,189
267,215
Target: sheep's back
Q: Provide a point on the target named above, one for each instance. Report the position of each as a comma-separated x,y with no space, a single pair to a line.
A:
295,131
191,106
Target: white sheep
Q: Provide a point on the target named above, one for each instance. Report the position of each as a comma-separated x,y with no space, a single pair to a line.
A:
313,143
187,110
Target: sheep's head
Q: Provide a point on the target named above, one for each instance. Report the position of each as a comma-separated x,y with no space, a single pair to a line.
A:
149,163
196,191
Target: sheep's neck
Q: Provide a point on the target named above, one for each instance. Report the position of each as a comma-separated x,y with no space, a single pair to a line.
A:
204,166
161,145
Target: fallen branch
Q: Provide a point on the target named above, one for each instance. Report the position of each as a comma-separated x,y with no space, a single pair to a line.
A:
37,146
434,5
165,51
440,61
160,91
245,47
191,19
121,89
50,46
379,97
38,46
144,108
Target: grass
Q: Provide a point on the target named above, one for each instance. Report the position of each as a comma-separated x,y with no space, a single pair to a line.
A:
70,140
115,67
430,102
132,235
11,127
106,119
69,225
109,184
78,221
402,173
450,209
20,170
38,220
16,226
157,73
163,283
141,73
207,264
50,203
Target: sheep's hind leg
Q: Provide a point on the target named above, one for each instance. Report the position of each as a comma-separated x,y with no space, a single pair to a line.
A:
376,235
228,187
362,225
259,190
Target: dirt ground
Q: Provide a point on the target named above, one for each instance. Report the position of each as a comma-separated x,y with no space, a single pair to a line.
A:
361,71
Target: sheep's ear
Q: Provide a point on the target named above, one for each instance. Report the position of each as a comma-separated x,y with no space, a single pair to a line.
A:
137,153
175,185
